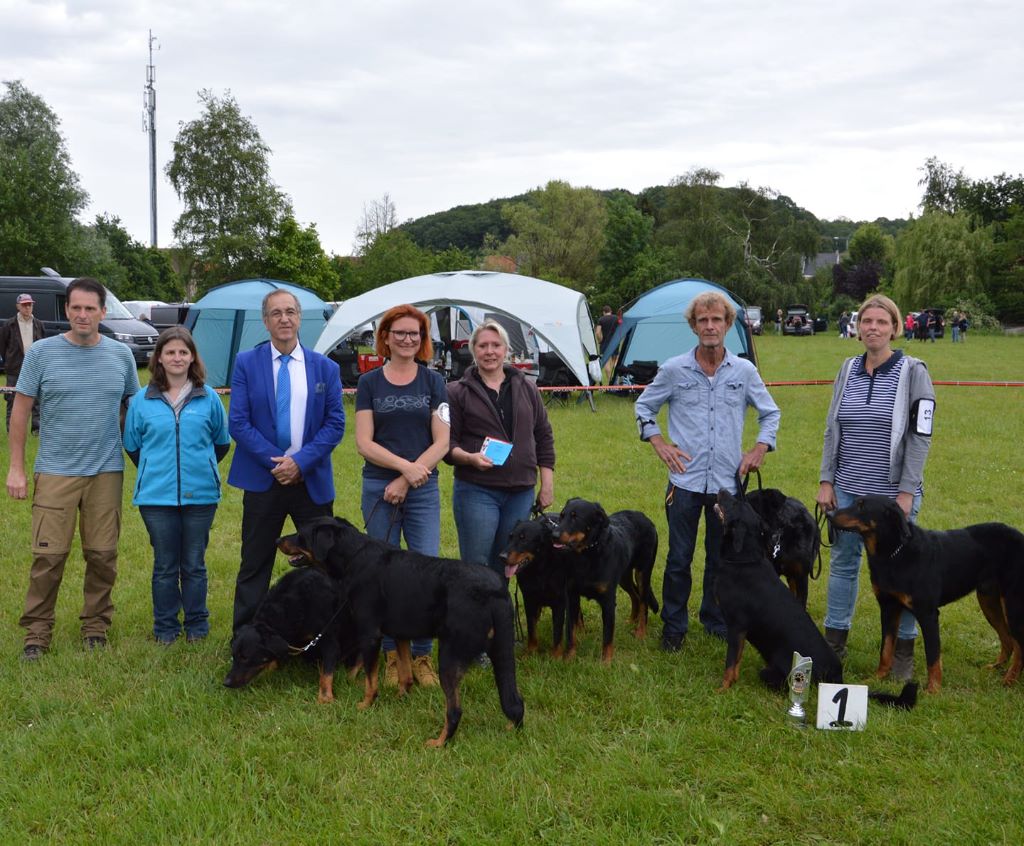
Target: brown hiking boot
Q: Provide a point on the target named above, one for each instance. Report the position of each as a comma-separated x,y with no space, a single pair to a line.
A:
423,671
391,668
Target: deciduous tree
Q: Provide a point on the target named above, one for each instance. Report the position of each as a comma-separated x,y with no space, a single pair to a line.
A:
221,173
40,194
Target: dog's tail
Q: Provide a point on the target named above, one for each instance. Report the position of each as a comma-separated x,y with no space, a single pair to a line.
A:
501,650
905,701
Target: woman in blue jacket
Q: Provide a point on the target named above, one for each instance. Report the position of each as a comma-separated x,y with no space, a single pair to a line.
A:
176,432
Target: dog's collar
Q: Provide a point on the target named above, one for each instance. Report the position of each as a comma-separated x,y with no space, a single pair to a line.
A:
896,551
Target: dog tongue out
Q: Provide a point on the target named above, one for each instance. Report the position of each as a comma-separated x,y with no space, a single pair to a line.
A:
510,570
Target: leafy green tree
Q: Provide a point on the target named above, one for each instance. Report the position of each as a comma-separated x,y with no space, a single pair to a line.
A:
559,234
40,194
943,187
294,255
138,272
868,262
627,234
939,259
221,173
391,257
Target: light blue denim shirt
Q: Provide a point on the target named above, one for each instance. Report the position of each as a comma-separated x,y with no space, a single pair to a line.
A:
705,417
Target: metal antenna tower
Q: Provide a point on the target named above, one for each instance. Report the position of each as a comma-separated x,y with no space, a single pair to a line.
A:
149,125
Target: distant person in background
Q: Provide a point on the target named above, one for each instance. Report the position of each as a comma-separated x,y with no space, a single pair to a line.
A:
908,328
607,323
964,323
844,325
16,336
176,433
402,432
778,321
955,327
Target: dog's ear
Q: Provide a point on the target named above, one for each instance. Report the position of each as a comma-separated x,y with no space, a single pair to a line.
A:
322,539
276,645
600,520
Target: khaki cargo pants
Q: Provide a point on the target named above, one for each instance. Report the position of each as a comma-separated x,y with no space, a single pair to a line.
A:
57,501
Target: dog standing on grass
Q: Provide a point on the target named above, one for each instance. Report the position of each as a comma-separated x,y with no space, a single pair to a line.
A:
408,595
606,551
922,570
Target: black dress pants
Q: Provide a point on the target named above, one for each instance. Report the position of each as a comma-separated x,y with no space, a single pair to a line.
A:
263,516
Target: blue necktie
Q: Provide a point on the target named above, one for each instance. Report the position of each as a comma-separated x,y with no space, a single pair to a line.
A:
284,405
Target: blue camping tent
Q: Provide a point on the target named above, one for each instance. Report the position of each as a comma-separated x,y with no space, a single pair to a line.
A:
653,329
228,319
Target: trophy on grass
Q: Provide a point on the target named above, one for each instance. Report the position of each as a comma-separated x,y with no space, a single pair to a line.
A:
799,681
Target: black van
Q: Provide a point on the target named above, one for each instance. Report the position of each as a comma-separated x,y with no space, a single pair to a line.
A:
50,295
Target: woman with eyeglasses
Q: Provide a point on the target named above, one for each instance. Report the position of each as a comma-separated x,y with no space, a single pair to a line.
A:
402,433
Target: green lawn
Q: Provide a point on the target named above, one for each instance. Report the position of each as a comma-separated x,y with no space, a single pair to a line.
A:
143,744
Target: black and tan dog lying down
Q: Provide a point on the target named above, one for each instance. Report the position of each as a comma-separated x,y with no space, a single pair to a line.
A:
407,595
922,570
759,608
302,614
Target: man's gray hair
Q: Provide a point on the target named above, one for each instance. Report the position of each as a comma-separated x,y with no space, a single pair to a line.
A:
274,293
708,300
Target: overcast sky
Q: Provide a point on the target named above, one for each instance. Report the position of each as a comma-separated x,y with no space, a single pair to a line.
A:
836,105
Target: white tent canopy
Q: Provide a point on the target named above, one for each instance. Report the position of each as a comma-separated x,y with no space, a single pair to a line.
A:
559,316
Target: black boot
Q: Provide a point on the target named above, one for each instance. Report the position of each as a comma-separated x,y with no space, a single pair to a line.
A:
836,638
903,660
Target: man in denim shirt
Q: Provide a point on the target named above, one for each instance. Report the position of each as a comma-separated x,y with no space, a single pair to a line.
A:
707,390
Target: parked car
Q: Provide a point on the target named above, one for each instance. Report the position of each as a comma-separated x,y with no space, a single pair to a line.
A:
50,295
820,324
853,325
141,308
797,320
168,314
755,320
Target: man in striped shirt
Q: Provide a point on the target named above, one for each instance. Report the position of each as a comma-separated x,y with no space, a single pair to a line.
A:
81,380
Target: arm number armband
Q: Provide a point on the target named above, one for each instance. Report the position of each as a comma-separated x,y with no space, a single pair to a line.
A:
646,428
922,413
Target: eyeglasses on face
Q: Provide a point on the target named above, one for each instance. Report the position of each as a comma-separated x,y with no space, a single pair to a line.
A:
401,335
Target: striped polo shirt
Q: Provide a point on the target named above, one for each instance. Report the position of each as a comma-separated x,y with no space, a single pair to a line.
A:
79,391
865,426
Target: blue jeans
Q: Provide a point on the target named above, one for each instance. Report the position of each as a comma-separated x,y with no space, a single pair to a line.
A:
956,333
179,535
484,518
682,511
418,520
844,573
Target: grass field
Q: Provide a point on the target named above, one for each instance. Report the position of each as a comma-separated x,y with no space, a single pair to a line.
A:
143,744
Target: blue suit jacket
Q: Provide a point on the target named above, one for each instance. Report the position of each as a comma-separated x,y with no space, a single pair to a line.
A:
252,422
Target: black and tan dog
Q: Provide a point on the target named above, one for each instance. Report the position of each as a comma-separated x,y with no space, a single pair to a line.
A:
791,538
540,571
407,595
922,570
619,549
302,614
758,608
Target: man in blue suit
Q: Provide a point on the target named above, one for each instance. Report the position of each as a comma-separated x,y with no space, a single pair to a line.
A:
286,417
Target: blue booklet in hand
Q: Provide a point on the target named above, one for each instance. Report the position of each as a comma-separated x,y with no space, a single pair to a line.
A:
496,450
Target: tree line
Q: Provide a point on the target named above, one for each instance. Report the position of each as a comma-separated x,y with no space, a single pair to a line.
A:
965,250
